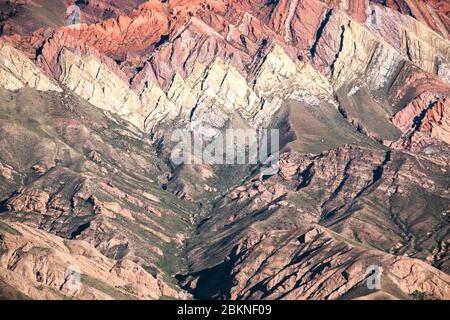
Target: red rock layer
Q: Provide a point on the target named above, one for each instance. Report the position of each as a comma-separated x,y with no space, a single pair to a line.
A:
435,13
426,124
411,82
357,9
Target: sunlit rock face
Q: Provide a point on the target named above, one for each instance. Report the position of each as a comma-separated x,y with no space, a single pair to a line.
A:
358,89
17,71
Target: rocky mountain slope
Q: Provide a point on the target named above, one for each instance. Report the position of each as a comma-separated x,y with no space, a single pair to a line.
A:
359,90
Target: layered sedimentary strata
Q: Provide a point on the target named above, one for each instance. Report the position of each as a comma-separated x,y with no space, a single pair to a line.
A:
312,264
359,90
436,121
371,52
434,13
17,71
93,81
23,17
424,122
32,256
209,92
76,194
307,255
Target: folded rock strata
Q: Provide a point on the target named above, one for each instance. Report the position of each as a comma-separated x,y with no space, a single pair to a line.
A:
17,71
359,90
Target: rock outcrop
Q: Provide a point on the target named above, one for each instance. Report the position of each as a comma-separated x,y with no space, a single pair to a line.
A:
77,209
358,89
290,265
434,13
331,207
42,265
17,71
425,123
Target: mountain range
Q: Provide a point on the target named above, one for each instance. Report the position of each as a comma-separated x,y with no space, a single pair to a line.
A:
359,91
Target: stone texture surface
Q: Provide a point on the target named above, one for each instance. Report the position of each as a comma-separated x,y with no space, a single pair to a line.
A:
34,256
298,225
359,90
17,71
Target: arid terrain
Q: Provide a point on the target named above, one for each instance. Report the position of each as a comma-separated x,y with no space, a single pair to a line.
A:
358,89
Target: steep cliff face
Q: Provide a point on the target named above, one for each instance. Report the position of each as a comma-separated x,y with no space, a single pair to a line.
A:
93,81
377,48
359,90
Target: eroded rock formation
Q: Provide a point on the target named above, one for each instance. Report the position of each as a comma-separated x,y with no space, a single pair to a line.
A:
359,90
